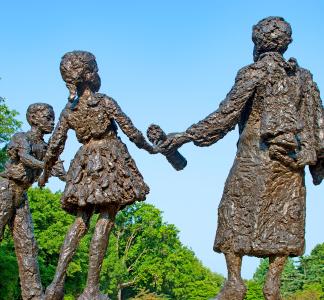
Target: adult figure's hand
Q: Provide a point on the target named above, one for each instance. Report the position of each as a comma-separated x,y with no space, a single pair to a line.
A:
173,142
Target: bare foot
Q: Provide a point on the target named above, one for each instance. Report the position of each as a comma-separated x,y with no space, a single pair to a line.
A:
232,290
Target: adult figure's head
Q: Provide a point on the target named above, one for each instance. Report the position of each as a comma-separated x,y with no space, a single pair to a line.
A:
80,71
272,34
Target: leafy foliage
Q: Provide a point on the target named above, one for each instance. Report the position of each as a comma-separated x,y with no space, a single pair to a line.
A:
9,125
254,290
300,280
9,282
148,255
145,258
145,295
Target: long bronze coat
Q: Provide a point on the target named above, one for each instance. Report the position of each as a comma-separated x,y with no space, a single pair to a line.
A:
279,112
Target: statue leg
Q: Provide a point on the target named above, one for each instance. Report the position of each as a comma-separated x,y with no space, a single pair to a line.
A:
234,288
98,248
26,252
55,291
271,289
6,205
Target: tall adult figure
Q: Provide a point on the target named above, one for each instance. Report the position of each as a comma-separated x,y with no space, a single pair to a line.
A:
278,110
102,176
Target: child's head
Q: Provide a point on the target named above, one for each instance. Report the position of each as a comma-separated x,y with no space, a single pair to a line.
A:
41,115
79,68
271,34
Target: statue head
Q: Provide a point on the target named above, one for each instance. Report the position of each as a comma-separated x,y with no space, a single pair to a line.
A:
272,34
41,116
79,70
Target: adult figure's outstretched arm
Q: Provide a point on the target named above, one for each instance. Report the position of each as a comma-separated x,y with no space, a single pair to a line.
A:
216,125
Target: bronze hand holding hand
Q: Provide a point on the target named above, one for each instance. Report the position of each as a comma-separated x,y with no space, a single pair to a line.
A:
168,145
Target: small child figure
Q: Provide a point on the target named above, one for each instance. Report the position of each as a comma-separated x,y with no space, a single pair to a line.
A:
26,151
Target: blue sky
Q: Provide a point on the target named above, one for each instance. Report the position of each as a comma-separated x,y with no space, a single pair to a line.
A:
167,62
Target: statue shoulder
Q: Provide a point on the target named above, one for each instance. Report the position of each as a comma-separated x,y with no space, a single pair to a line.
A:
107,101
250,72
305,74
18,141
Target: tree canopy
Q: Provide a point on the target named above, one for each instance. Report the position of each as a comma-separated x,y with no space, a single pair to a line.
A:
145,258
302,279
9,125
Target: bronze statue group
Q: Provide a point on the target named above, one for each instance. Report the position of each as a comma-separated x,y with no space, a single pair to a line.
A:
278,110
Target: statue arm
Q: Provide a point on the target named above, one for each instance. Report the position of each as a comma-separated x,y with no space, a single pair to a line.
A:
215,126
126,125
58,170
311,137
23,152
55,147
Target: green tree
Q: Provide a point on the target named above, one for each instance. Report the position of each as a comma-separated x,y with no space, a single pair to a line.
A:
9,279
9,282
309,292
146,254
254,290
145,295
145,258
312,267
8,126
291,279
302,279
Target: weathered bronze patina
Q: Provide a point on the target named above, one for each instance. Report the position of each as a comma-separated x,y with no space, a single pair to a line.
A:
279,113
26,151
102,176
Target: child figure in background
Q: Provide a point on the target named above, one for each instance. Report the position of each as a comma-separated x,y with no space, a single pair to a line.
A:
102,176
26,151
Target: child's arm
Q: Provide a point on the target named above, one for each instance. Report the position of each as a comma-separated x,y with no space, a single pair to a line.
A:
59,171
23,150
127,126
55,147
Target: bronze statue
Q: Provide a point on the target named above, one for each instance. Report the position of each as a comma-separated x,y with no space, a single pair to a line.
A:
279,113
26,151
102,176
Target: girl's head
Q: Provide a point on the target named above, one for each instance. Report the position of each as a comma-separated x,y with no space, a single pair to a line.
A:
79,70
271,34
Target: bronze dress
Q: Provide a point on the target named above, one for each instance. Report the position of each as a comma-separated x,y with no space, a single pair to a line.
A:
102,172
262,210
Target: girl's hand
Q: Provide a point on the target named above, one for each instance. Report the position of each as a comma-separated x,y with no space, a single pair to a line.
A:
173,142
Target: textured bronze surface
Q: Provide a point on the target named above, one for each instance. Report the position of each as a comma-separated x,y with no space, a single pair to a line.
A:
102,176
26,151
157,136
278,110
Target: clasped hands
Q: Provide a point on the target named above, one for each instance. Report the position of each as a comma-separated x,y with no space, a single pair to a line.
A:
172,143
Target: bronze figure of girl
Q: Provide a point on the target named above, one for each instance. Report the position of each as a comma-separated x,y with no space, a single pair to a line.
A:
102,177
